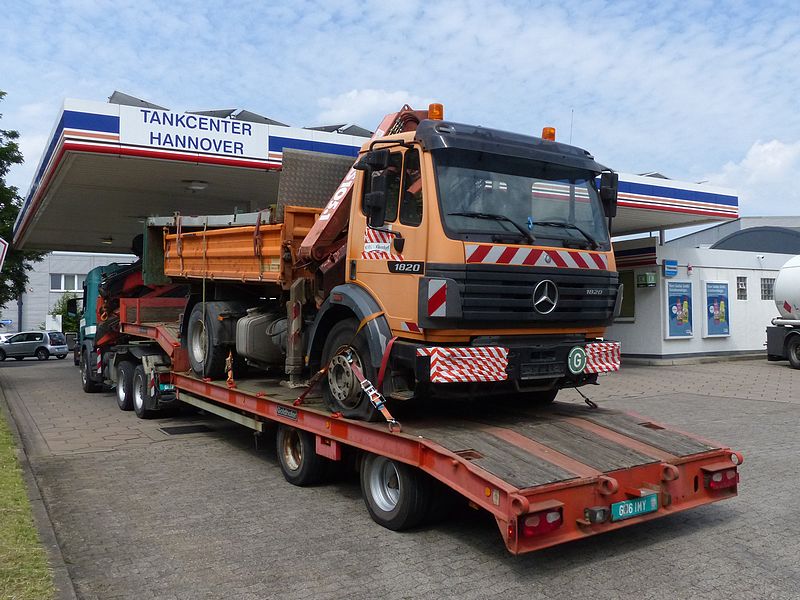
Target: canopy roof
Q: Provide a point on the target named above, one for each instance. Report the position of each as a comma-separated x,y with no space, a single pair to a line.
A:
109,166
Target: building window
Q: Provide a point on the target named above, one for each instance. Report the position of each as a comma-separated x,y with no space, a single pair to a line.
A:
628,281
767,288
741,288
66,282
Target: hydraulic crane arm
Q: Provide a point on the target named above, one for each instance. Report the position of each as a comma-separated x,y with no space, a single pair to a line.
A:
321,240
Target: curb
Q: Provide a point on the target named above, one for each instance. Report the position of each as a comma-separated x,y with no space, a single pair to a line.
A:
65,590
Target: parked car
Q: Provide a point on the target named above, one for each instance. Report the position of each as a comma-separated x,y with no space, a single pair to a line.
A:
41,344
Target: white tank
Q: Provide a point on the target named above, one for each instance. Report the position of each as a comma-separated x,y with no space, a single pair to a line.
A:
787,289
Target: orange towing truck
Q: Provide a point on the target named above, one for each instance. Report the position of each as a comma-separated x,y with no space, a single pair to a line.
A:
457,278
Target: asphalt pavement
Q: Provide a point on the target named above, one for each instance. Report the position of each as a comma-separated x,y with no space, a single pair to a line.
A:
140,513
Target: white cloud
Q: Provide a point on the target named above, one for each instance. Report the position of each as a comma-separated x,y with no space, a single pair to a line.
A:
765,178
365,107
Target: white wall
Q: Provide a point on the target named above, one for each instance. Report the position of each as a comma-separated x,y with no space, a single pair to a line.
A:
644,336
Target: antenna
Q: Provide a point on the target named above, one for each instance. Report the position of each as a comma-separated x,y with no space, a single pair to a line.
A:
571,121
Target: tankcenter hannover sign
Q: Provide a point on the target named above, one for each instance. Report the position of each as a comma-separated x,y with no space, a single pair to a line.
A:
196,133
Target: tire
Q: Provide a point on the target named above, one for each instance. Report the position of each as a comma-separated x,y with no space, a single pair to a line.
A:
205,358
297,455
397,496
42,354
125,385
544,398
341,391
61,356
89,386
140,393
793,351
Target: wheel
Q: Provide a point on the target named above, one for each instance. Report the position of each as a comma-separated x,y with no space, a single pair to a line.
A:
125,385
42,354
206,358
342,392
141,393
397,496
544,398
793,350
89,386
300,463
61,356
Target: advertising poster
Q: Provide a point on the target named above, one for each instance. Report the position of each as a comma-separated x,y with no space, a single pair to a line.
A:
718,314
679,309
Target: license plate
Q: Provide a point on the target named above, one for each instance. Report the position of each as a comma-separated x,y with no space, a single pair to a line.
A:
633,508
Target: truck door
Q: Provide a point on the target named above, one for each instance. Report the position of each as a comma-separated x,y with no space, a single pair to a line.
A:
390,265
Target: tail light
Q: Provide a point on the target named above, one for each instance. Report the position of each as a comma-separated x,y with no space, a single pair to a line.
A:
720,480
542,522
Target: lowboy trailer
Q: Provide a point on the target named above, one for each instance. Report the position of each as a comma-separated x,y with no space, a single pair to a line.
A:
548,474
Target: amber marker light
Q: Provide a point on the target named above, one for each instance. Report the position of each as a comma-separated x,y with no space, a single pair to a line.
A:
436,111
549,133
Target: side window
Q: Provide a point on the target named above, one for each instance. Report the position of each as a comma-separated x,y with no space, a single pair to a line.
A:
411,203
17,338
35,337
392,173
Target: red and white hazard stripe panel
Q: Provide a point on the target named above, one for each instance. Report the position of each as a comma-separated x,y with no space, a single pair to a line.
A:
410,327
534,257
461,365
602,357
437,298
378,246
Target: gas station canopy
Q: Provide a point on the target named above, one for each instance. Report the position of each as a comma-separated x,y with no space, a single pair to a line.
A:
109,166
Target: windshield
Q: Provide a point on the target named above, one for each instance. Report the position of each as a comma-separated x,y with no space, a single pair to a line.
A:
490,197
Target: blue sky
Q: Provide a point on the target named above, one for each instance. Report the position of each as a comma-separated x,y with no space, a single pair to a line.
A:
696,90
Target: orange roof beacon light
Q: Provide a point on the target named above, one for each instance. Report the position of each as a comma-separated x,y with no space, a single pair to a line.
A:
436,111
549,133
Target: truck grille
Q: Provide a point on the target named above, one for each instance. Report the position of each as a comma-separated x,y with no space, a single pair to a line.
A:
504,293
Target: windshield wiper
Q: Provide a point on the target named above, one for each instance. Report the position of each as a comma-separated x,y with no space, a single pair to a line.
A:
563,225
493,217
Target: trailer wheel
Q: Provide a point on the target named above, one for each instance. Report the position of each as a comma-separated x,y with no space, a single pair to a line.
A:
300,463
397,496
342,392
125,385
141,393
89,386
793,351
206,358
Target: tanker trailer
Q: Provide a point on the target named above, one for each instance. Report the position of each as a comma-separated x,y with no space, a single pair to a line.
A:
783,338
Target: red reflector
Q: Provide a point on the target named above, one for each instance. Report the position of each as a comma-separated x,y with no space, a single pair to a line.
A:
512,532
542,522
721,480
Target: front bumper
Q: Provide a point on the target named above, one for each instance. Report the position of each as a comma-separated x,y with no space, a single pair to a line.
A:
564,362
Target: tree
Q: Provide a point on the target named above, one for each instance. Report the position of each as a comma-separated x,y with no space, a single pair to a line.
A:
68,323
14,276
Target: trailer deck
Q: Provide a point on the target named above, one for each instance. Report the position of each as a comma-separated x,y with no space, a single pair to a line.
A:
514,460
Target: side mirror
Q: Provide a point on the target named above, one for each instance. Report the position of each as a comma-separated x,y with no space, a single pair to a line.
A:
376,160
609,185
375,201
72,307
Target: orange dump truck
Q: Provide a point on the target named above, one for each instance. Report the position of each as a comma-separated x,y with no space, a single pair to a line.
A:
457,279
452,260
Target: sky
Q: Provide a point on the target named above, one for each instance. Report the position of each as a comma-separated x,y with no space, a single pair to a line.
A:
699,91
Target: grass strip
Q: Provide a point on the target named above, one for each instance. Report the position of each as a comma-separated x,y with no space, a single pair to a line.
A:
24,572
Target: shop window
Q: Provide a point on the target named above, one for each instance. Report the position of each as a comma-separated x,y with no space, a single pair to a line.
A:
741,288
767,288
628,281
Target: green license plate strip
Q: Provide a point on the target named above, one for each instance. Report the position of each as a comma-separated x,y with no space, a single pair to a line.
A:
633,508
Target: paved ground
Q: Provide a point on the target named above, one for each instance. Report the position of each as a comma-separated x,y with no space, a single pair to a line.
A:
141,514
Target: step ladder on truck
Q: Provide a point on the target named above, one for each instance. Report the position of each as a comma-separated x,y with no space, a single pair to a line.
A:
458,275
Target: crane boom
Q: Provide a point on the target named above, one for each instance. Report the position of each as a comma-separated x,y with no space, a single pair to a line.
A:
321,239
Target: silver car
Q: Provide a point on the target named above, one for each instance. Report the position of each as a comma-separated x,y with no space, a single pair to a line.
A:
41,344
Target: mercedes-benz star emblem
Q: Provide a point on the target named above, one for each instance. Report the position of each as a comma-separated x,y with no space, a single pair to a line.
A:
545,297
